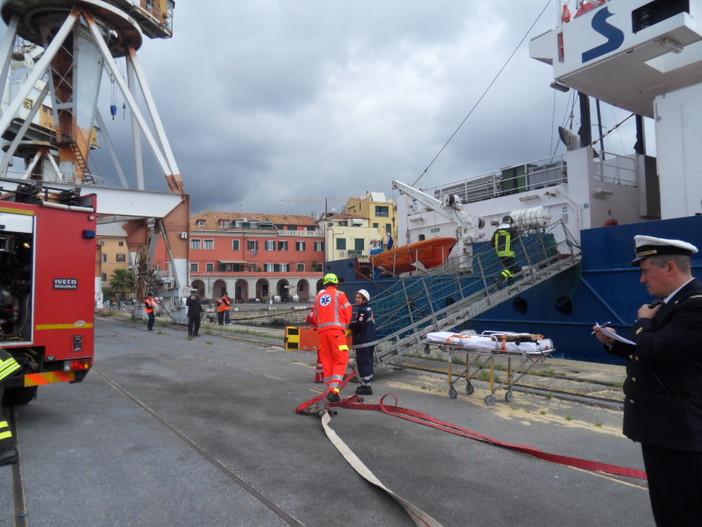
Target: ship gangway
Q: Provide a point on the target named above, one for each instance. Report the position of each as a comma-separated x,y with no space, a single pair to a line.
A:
447,298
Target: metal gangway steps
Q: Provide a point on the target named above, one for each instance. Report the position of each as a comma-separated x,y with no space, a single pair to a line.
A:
443,300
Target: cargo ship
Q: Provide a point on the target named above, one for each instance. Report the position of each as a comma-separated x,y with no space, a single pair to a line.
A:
644,57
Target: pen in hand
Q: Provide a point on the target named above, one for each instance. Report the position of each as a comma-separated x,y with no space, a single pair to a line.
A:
601,325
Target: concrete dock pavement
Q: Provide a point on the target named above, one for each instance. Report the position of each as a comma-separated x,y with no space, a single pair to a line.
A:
170,431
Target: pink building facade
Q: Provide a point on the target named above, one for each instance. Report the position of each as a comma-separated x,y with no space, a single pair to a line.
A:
256,257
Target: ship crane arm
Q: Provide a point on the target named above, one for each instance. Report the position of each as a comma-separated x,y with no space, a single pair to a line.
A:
452,210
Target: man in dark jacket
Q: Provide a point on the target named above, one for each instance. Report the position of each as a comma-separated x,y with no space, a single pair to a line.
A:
364,341
194,313
8,447
663,388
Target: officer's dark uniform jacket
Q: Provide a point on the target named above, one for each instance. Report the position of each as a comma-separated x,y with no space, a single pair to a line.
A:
663,388
194,307
363,328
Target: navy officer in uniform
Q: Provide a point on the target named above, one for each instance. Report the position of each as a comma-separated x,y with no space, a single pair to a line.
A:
663,387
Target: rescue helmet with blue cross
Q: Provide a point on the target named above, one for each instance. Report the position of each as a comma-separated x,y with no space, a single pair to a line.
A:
330,278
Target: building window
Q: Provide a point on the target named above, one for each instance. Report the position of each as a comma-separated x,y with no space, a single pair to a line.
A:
388,228
210,267
194,243
193,266
282,246
102,243
121,244
224,224
209,244
104,257
200,223
382,211
235,245
276,268
253,245
359,244
121,258
341,244
318,246
300,268
300,246
375,225
104,277
270,245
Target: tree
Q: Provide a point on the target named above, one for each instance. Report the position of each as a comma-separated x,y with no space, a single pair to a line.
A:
122,281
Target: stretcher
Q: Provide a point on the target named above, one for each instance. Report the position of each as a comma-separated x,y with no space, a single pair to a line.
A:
529,348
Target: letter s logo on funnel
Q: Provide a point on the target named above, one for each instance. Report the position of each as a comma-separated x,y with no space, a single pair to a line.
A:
614,35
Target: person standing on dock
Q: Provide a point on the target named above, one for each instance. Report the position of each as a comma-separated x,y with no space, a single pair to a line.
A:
331,314
364,341
663,388
150,308
194,313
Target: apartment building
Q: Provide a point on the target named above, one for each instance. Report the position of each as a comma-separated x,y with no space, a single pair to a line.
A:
256,256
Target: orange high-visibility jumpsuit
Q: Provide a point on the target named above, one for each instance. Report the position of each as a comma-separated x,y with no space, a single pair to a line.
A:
332,314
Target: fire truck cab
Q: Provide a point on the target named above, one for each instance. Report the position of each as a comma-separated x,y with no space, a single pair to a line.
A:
47,285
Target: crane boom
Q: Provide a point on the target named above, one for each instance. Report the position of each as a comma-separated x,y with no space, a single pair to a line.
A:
450,208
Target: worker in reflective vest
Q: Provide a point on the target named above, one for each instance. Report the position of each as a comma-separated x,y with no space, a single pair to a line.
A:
150,308
223,304
502,242
8,448
332,313
227,312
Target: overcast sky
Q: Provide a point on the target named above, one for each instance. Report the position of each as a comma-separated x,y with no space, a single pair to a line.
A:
275,105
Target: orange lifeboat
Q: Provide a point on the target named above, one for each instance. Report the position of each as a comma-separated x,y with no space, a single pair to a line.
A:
429,253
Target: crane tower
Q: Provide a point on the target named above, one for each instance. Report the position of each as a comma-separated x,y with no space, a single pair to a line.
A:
54,55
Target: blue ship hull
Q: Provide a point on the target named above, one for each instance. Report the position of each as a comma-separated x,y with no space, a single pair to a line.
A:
604,288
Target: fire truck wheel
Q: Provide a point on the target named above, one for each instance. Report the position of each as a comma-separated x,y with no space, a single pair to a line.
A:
18,396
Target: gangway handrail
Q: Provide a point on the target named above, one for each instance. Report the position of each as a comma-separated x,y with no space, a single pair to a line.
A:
410,336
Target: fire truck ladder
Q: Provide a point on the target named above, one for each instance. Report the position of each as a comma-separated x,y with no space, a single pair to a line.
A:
415,306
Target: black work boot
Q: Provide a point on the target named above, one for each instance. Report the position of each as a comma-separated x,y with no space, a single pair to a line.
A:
333,397
8,456
364,389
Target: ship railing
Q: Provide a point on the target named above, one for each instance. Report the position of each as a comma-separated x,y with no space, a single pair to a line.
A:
415,306
618,169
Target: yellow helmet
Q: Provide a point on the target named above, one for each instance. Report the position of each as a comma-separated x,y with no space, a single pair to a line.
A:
330,278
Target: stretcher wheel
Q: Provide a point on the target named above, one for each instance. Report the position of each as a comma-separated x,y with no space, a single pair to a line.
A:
470,388
509,396
453,393
490,400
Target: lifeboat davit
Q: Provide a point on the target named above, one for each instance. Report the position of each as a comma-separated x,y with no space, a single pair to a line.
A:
429,253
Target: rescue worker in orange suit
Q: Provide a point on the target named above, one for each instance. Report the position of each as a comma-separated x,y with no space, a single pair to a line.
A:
503,241
227,312
150,308
222,306
8,447
332,313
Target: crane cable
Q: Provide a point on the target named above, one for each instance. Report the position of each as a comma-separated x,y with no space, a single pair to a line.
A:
497,75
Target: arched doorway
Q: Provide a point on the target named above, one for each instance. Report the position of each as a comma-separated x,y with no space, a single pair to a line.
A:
241,291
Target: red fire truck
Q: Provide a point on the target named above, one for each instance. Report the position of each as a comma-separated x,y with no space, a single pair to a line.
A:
47,285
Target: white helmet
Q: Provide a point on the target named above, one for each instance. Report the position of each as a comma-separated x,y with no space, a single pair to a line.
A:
365,294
